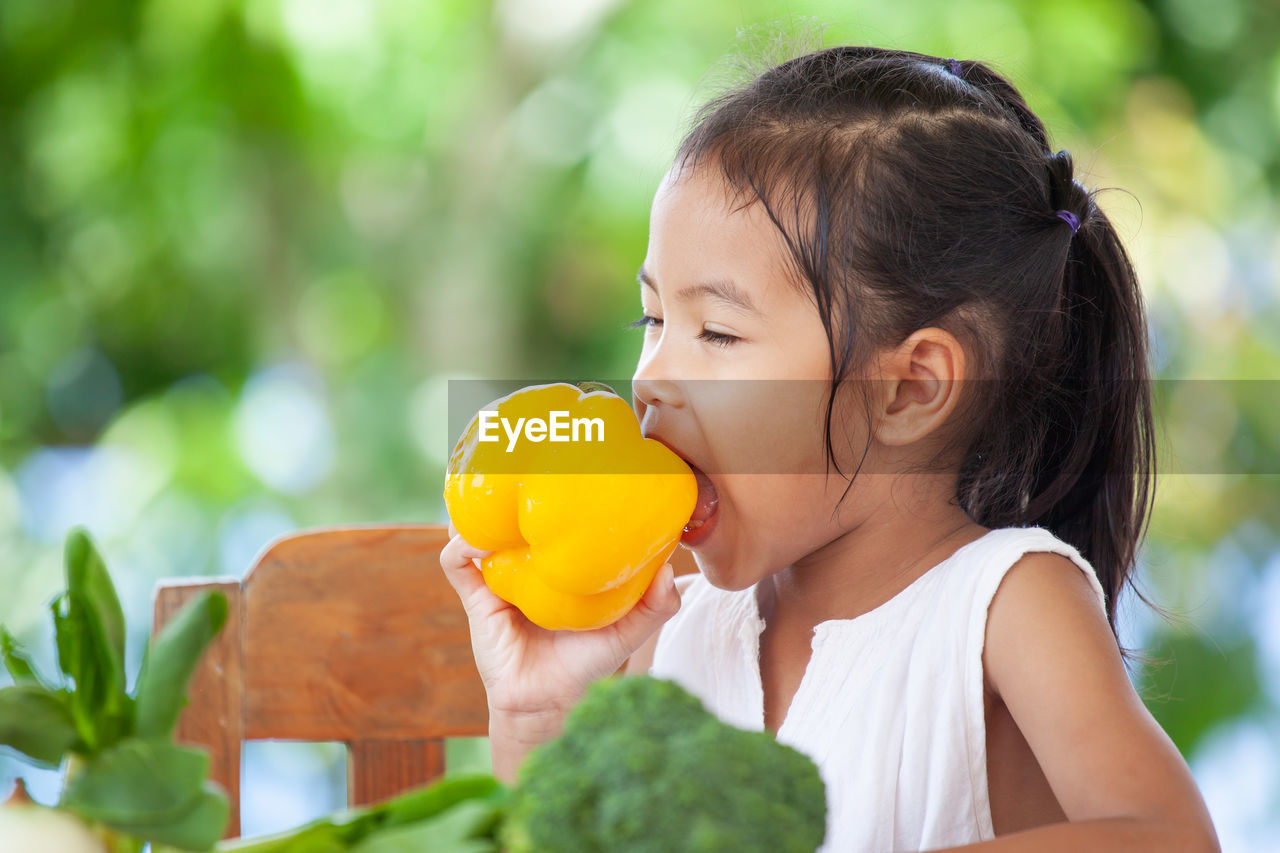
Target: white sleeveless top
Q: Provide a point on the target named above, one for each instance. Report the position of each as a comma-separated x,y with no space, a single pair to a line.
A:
890,707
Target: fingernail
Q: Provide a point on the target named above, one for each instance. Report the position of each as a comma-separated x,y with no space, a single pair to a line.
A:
671,577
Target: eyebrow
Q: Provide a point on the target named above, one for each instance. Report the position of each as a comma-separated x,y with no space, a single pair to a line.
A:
723,291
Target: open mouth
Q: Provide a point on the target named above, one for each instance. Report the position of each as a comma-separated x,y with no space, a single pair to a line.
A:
708,500
702,521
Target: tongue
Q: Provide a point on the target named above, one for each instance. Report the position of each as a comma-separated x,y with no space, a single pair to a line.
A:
707,498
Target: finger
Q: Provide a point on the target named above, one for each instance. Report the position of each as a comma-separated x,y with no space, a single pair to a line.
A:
474,551
463,574
660,602
470,550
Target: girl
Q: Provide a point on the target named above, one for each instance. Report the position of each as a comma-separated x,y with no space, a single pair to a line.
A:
893,230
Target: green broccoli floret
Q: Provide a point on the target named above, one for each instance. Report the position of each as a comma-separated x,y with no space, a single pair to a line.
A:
642,766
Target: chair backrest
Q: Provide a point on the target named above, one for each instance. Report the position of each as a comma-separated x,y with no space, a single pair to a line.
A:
347,634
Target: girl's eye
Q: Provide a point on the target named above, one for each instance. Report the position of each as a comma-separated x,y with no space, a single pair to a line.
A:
718,338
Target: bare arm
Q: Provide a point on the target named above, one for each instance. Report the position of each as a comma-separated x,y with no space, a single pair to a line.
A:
1052,658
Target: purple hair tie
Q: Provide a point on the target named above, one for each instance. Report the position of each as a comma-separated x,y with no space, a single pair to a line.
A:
953,66
1069,218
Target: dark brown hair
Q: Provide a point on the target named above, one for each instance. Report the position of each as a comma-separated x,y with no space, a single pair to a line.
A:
913,192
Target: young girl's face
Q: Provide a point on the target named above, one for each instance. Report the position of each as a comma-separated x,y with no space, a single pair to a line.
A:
733,376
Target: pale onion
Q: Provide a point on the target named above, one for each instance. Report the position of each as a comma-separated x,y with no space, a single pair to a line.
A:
31,828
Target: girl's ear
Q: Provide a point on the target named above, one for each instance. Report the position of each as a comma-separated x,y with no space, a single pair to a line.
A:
918,386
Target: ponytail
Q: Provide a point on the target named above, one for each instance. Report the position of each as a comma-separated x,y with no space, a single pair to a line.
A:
1087,472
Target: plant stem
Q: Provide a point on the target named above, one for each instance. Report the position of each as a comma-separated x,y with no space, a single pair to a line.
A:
72,765
116,842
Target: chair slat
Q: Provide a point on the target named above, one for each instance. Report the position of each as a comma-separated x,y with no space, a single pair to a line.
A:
214,718
355,631
378,769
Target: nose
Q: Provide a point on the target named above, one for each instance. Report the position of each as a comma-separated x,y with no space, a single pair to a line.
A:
653,384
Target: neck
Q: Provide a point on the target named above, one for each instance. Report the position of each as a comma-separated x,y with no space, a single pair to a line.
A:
862,568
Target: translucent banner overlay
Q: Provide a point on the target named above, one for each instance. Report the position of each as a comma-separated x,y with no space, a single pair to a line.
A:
759,426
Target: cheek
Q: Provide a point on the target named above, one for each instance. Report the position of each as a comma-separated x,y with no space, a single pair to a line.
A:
771,520
764,426
769,505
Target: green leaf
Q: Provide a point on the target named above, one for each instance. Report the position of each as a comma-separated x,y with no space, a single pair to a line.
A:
139,782
90,632
17,662
467,826
337,832
171,658
35,721
316,837
425,802
334,833
199,829
88,580
67,636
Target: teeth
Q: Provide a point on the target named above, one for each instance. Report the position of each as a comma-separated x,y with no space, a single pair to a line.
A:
693,525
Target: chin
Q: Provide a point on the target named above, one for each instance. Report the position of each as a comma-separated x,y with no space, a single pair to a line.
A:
724,573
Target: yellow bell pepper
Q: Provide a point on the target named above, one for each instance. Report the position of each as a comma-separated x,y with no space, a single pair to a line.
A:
580,526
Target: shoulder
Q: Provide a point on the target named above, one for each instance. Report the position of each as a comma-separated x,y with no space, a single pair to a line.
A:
642,659
1047,610
1008,557
1045,577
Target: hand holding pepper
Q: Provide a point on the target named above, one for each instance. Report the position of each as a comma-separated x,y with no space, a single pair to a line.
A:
564,571
533,676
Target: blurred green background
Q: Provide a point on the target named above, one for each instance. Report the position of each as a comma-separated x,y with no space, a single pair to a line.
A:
244,246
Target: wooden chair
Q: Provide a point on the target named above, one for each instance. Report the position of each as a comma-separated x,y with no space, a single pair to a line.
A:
347,634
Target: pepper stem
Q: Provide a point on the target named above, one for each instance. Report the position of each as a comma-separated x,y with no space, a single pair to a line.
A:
590,386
